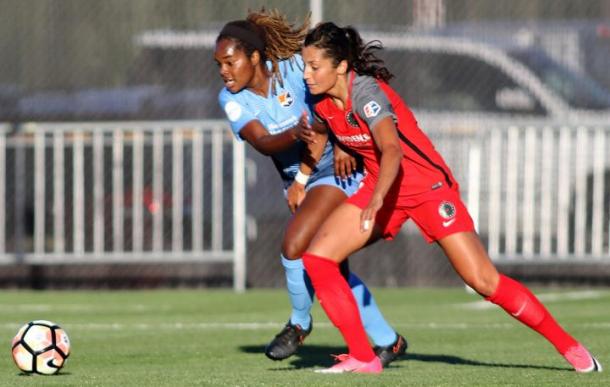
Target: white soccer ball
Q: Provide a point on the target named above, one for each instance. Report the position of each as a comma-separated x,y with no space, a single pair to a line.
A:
41,347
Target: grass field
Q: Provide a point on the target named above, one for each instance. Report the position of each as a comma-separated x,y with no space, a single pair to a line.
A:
216,338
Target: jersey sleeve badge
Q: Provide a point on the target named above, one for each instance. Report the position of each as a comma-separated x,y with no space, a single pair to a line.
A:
233,111
371,109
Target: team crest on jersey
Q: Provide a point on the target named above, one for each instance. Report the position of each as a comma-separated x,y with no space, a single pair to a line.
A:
285,99
446,210
371,109
351,119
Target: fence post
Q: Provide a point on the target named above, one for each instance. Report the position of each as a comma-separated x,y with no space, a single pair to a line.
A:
239,216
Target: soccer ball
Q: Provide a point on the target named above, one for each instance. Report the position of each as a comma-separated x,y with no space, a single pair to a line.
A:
41,347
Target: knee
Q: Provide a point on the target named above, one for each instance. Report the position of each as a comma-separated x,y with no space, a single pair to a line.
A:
483,283
293,248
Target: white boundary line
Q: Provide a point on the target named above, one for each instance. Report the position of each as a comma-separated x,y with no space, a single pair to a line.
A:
255,326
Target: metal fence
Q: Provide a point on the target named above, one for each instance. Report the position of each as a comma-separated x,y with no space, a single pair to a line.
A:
122,192
150,192
537,193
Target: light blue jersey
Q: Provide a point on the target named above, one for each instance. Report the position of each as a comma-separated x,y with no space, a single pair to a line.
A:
279,112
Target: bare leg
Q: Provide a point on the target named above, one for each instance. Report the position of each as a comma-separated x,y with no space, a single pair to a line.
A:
471,262
318,204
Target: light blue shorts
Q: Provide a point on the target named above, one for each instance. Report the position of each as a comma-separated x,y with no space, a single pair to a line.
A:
349,186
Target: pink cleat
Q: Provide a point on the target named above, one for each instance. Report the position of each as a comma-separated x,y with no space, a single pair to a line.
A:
582,361
347,363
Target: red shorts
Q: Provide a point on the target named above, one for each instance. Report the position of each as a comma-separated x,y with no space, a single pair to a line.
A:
438,212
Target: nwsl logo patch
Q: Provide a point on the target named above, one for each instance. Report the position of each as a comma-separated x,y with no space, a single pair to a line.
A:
371,109
285,99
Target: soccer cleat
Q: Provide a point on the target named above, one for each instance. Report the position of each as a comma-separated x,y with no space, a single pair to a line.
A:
582,360
347,363
389,353
286,343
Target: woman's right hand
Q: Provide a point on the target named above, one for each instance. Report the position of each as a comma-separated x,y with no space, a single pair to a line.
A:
367,217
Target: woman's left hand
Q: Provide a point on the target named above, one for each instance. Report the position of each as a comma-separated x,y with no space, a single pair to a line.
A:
367,217
295,195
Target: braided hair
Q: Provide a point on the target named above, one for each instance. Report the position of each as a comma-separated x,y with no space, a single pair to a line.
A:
269,33
346,44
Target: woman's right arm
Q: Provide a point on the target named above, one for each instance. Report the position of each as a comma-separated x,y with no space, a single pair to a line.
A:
259,137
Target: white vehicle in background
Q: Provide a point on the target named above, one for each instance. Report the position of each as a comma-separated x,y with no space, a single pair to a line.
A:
437,75
455,77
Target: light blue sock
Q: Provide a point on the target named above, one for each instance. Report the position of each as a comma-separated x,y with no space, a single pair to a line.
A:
380,332
300,291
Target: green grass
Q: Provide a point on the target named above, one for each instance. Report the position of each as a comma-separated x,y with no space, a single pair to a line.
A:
216,338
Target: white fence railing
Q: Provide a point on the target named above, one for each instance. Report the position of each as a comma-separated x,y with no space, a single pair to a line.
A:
123,192
175,192
537,193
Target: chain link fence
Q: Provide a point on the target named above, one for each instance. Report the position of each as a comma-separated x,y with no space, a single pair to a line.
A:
91,60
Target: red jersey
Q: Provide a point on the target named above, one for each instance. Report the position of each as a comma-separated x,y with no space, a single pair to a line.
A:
370,100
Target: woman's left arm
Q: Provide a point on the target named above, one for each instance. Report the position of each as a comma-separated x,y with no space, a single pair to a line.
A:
386,140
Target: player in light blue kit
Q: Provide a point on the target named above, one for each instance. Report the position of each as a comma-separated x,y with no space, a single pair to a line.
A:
264,98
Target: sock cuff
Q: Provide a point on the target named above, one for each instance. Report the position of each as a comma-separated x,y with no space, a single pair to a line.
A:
353,280
502,282
312,261
292,263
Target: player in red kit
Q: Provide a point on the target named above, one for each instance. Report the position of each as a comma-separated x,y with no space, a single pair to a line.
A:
406,179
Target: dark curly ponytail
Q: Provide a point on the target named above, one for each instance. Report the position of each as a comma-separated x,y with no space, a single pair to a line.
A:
346,44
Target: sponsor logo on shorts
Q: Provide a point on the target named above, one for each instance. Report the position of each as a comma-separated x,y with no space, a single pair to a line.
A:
371,109
448,223
285,99
447,211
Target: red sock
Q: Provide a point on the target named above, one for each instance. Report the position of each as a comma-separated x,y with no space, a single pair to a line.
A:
338,302
520,303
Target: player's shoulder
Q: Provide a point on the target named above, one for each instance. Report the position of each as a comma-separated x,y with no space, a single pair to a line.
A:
235,106
364,84
225,96
369,99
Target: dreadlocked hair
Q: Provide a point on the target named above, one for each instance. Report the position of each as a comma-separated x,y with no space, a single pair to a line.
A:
282,39
346,44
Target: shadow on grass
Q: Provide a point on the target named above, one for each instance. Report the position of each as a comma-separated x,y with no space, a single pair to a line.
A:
310,356
31,374
456,360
